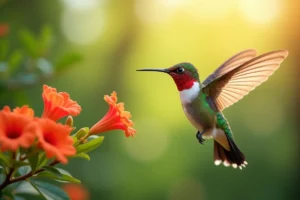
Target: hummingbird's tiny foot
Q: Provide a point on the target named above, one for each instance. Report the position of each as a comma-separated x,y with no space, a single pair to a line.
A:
199,136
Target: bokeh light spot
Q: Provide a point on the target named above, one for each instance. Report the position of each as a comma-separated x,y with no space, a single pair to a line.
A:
150,143
260,11
208,9
82,4
155,11
82,27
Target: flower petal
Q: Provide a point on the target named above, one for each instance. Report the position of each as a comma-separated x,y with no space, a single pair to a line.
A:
25,110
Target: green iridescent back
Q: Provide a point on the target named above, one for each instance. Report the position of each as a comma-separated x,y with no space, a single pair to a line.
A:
223,124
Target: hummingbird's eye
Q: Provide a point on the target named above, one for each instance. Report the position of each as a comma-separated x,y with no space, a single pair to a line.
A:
180,70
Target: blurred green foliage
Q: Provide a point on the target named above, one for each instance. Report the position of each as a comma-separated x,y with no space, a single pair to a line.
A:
28,64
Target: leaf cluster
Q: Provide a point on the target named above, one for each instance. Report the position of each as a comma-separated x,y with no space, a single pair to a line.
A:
32,168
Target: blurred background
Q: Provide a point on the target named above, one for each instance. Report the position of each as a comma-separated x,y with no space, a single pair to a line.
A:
91,47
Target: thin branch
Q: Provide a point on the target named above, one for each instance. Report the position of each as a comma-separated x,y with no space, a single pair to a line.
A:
10,172
9,181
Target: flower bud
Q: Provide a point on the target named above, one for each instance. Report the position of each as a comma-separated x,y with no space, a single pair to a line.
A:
69,121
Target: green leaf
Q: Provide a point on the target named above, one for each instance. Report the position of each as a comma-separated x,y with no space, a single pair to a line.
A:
49,190
66,61
29,43
82,155
42,160
14,187
6,194
25,196
24,170
52,170
33,160
18,164
90,145
4,160
45,39
37,189
14,61
63,177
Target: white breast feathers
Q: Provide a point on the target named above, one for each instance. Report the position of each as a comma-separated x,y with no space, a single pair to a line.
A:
188,95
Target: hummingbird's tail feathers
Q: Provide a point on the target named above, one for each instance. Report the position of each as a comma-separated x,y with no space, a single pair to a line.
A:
234,157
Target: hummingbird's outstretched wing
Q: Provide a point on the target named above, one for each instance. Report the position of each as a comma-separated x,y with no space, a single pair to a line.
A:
231,64
228,85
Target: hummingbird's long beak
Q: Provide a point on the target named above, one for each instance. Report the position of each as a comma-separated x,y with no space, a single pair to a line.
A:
154,70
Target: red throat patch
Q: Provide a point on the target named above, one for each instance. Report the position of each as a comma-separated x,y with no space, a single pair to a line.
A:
183,81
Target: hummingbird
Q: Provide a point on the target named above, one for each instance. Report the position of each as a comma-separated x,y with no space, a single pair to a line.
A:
204,102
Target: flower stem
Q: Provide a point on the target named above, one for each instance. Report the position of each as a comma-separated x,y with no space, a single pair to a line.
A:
82,140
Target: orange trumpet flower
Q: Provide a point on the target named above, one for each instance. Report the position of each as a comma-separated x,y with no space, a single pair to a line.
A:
116,118
58,104
16,130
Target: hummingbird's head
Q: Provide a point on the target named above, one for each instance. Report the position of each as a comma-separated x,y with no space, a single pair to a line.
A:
183,74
